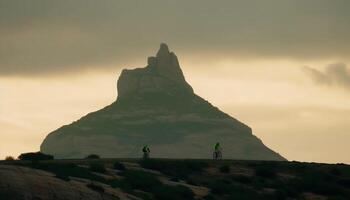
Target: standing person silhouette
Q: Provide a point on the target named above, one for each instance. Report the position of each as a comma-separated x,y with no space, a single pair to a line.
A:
217,151
146,151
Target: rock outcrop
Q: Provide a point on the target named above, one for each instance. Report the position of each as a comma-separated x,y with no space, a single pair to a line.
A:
156,106
162,74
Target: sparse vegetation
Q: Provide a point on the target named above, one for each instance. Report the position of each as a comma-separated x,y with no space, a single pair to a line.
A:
179,169
9,158
93,156
97,167
148,182
225,169
178,192
250,180
64,171
119,166
140,180
242,179
265,171
96,187
224,187
35,156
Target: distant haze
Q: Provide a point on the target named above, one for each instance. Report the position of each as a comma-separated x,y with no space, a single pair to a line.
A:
282,67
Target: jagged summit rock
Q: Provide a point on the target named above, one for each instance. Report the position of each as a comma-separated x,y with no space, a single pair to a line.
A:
157,107
162,74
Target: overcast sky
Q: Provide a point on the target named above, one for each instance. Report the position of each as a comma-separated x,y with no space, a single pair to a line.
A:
282,67
39,36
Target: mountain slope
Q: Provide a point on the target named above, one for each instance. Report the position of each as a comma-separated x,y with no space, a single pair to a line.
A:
156,106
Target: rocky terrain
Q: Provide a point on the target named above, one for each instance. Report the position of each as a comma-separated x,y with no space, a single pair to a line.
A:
160,179
157,107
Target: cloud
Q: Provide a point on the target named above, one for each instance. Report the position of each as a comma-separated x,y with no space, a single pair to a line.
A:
336,74
50,37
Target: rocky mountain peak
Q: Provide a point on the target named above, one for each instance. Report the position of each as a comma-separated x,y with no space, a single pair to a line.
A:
163,50
156,106
166,64
162,74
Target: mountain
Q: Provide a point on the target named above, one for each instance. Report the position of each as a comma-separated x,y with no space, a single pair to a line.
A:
157,107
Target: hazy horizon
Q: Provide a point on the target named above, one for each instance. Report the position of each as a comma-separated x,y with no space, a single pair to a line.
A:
282,68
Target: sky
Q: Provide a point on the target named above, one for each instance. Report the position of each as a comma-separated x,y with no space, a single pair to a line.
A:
282,67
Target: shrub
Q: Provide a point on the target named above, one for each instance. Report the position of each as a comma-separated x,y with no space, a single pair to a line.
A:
140,180
142,195
344,182
234,191
190,181
63,177
96,187
64,171
317,182
219,187
335,171
225,169
265,171
178,192
242,179
119,166
97,167
35,156
9,158
93,156
209,197
174,179
179,169
258,183
148,182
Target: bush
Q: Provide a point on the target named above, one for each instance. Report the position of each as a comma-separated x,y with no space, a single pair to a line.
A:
178,192
317,182
96,187
191,181
9,158
242,179
93,156
64,171
97,167
140,180
344,182
265,171
225,169
174,179
179,169
119,166
219,187
234,191
335,171
62,177
148,182
209,197
35,156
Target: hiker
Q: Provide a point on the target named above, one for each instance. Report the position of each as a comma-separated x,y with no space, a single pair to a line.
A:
146,152
217,151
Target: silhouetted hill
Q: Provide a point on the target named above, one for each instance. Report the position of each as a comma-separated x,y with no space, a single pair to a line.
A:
160,179
156,106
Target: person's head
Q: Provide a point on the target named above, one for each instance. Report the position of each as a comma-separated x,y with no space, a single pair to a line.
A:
218,143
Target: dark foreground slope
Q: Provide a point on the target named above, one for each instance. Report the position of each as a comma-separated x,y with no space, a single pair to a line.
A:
156,106
173,180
